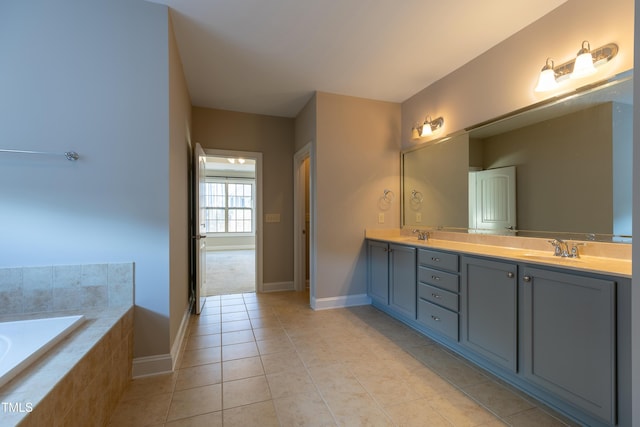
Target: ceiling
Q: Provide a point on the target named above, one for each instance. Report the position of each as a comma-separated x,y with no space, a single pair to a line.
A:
268,57
230,164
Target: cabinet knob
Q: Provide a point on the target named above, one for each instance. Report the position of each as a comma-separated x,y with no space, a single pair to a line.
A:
434,259
527,278
435,278
435,296
436,318
510,275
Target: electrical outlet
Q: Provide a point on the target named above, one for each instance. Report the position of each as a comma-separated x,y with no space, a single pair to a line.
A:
381,218
418,217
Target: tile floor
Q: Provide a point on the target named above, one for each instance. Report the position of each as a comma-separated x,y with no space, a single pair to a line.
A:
269,360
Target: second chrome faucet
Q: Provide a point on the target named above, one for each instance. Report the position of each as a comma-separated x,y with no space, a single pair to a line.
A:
422,234
561,248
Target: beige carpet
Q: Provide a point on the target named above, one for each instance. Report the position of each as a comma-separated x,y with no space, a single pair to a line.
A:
230,272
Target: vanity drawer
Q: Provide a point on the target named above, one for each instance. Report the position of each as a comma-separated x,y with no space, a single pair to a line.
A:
438,318
438,296
442,260
439,278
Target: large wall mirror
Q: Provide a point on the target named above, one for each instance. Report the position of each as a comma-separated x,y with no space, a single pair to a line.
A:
561,168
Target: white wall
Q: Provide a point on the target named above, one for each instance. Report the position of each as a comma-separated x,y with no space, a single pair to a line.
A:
91,77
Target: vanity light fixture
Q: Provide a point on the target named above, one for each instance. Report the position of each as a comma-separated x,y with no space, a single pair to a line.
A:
583,65
427,128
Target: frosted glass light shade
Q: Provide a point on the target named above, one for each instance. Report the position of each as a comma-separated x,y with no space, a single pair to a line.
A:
546,80
426,129
583,66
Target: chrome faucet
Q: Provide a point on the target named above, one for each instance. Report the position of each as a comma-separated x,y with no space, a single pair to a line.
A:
422,235
561,248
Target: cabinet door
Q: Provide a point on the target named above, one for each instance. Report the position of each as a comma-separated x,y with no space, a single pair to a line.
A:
402,279
490,310
569,333
378,271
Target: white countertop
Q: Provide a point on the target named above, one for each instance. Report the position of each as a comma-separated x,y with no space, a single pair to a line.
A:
594,264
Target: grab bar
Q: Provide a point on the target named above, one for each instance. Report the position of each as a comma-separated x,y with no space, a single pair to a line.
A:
69,155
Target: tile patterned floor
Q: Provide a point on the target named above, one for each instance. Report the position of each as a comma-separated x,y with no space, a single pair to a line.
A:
268,360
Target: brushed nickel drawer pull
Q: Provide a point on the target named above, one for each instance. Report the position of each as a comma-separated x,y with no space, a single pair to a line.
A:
435,259
435,277
527,278
510,275
436,318
435,296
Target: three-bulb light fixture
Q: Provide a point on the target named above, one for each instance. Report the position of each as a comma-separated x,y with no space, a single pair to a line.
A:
583,65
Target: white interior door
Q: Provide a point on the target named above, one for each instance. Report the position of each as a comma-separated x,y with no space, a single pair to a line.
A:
492,200
200,236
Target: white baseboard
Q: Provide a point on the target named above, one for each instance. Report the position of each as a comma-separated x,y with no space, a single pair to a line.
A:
152,365
277,286
163,363
230,248
180,336
340,302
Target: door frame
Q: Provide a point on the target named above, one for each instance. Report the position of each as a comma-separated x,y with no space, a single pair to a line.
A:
299,217
257,156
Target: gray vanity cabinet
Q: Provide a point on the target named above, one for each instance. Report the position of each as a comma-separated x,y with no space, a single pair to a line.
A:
569,338
391,271
559,334
489,312
438,287
402,280
378,271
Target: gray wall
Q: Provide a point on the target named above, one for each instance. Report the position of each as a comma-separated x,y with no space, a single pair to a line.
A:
71,81
356,157
179,160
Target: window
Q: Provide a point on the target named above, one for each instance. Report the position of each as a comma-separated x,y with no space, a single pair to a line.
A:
229,206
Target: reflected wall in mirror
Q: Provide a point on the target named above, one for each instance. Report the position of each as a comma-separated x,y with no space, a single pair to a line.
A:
573,161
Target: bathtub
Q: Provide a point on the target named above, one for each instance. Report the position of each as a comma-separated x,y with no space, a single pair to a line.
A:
24,341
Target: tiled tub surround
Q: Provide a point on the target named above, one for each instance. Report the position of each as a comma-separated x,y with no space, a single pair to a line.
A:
79,381
597,257
25,290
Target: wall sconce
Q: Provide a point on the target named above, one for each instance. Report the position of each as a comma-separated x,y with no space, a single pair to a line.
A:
583,65
427,128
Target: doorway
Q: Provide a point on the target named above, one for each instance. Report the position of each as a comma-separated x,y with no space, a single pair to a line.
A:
232,206
304,267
